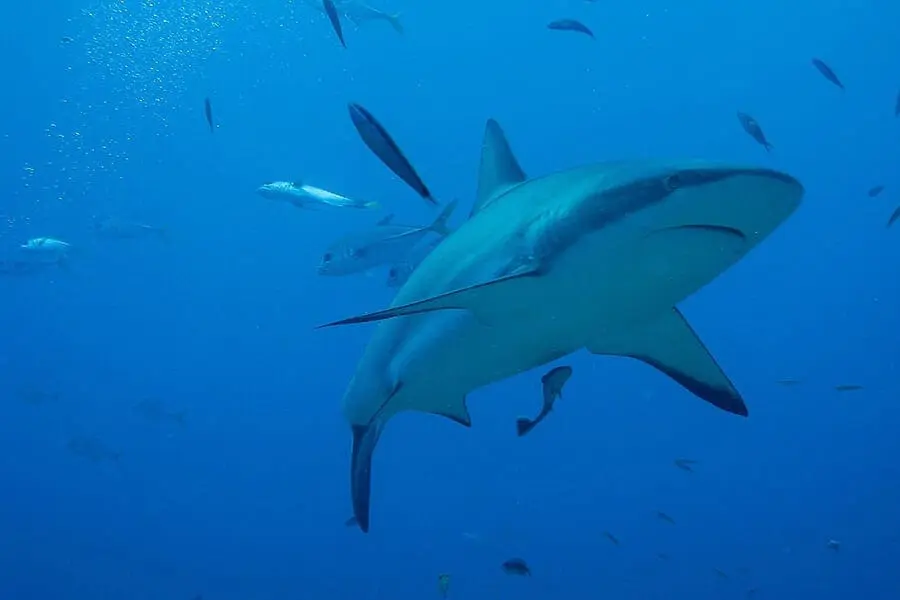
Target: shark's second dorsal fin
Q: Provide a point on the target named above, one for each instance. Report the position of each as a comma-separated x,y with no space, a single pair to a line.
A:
499,169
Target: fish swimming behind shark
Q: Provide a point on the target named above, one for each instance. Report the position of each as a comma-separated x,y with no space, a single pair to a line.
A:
595,257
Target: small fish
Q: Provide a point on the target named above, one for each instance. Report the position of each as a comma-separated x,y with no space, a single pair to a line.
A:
380,142
207,110
115,228
44,250
358,12
399,273
827,72
552,385
331,11
570,25
443,584
894,216
848,387
722,574
383,245
752,592
875,191
664,517
788,382
754,130
304,195
66,40
611,538
516,566
92,449
685,464
833,545
37,397
156,412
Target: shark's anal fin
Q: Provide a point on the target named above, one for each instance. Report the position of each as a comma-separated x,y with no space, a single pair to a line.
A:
458,413
499,170
671,346
480,299
365,438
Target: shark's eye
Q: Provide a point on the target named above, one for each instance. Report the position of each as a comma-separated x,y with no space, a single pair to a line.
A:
672,182
327,258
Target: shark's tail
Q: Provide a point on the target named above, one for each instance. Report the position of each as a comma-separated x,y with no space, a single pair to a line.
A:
524,425
394,20
365,438
440,224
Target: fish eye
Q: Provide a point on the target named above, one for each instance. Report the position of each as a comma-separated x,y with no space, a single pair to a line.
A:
328,256
672,182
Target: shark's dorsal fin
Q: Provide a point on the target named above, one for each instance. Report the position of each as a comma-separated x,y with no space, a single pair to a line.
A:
670,345
499,169
481,299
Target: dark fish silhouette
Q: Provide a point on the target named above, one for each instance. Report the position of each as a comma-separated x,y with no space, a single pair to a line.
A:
385,148
331,11
664,517
788,382
754,130
570,25
722,574
611,538
516,566
875,191
894,217
207,109
685,464
827,73
848,387
552,384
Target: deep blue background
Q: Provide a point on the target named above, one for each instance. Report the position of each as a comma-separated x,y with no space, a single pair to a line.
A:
247,501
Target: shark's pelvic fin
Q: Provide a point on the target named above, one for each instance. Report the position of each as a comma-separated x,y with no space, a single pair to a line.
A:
480,299
499,169
457,412
671,346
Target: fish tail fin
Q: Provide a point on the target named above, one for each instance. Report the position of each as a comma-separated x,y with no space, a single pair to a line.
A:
365,438
440,224
394,20
373,205
524,425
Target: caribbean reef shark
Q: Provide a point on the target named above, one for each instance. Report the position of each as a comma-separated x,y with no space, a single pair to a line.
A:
596,257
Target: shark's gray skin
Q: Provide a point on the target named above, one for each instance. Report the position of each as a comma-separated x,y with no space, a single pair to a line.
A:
595,257
358,12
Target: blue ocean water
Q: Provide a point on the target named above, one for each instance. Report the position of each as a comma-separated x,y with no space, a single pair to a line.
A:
103,115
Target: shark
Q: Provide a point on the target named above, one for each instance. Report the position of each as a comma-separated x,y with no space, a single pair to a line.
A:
596,257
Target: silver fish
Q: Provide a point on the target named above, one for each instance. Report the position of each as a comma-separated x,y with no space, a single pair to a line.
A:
551,385
92,449
155,411
116,228
384,245
303,195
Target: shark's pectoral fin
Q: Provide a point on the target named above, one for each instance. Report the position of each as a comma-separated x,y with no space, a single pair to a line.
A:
482,299
671,346
365,438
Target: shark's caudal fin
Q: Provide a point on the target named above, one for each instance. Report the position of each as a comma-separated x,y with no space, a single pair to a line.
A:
524,425
499,170
365,438
672,347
